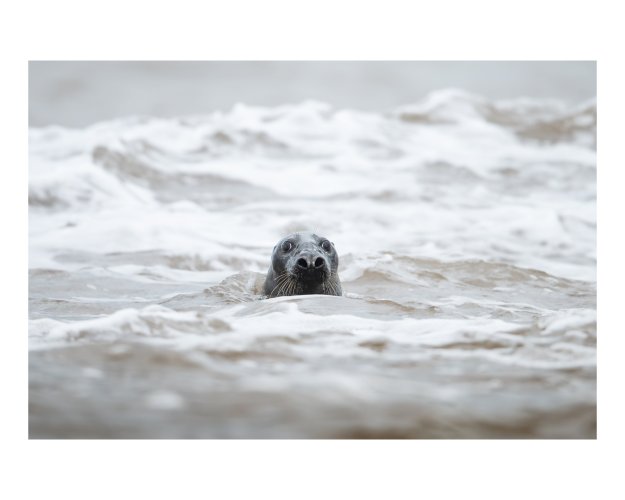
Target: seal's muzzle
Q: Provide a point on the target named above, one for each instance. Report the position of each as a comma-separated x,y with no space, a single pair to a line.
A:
310,266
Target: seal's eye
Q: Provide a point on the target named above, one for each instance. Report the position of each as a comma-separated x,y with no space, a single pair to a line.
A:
327,246
287,246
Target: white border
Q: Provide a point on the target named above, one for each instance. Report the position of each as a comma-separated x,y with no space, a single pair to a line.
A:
323,30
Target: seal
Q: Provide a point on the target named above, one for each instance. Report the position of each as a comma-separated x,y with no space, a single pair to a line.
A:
303,264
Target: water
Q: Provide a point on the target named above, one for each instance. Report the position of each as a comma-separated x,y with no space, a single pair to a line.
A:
466,229
80,93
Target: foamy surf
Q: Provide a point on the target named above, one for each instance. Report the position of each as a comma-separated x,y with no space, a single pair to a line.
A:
466,230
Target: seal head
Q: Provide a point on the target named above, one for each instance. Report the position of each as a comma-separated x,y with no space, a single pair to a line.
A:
303,264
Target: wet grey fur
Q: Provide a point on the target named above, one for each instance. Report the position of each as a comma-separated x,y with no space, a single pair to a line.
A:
300,265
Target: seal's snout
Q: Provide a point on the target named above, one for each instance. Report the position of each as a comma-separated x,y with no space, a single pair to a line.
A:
308,263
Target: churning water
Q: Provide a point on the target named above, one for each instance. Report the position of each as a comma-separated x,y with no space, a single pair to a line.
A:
466,230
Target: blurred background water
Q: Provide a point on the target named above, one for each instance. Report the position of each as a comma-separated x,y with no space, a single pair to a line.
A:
461,198
76,94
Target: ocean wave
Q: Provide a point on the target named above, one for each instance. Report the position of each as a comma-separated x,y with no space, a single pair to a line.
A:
466,230
280,327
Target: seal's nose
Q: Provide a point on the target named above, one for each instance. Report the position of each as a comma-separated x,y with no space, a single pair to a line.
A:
308,262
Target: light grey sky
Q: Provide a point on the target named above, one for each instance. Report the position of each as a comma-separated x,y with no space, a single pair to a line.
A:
80,93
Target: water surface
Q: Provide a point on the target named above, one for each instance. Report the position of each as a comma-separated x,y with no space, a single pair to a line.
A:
466,229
